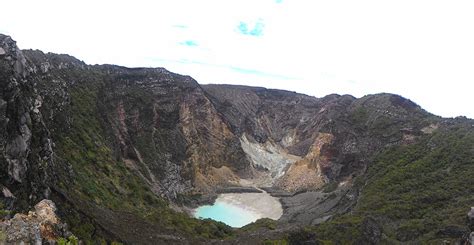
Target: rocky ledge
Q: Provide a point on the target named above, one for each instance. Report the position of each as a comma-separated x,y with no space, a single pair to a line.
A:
239,189
41,226
277,192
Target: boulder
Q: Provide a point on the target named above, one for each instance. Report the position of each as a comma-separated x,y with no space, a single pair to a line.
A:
23,228
470,219
36,227
46,211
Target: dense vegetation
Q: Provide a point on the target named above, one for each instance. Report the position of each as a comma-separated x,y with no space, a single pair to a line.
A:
416,193
423,191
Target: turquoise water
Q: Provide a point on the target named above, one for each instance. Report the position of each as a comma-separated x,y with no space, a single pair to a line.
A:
230,214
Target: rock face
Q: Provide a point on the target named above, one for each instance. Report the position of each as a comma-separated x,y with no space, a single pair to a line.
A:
37,227
25,143
163,126
313,141
307,173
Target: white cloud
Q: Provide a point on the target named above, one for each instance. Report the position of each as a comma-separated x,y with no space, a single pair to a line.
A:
420,49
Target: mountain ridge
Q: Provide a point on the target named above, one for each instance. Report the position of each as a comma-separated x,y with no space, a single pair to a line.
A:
115,146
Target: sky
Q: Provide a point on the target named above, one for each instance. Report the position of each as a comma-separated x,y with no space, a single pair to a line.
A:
420,49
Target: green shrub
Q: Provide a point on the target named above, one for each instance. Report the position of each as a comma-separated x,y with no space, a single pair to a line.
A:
414,190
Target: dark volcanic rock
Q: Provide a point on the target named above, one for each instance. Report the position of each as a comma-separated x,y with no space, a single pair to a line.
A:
25,142
313,207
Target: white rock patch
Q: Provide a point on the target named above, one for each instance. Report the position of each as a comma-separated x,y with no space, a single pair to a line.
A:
268,156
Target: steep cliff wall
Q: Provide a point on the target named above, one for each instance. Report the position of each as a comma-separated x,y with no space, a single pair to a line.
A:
305,142
25,140
108,143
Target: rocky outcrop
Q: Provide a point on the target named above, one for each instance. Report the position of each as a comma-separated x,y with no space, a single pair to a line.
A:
307,174
25,142
470,223
37,227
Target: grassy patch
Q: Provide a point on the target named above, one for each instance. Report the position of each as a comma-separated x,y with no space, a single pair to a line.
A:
260,223
415,190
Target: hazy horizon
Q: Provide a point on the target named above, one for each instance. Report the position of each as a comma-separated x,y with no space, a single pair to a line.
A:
421,50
